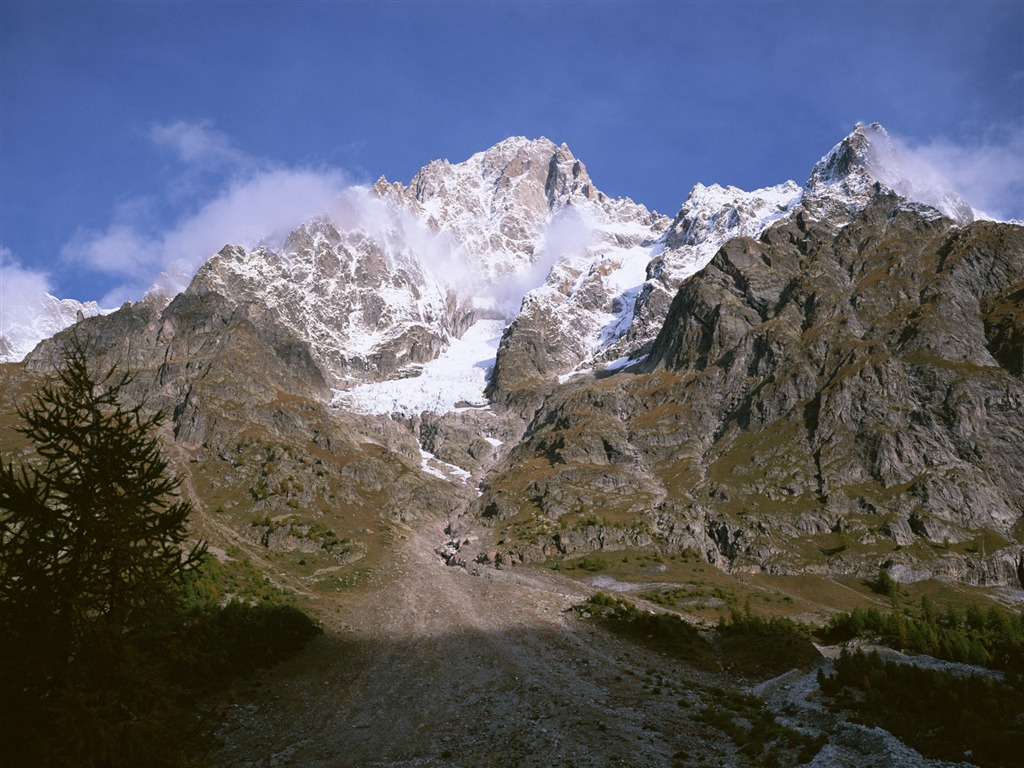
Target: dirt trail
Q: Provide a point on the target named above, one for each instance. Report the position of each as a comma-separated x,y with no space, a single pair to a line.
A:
447,668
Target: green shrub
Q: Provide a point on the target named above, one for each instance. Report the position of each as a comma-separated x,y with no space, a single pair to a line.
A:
661,631
753,727
764,647
591,563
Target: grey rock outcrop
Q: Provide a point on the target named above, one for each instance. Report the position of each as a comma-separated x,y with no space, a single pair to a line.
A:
854,385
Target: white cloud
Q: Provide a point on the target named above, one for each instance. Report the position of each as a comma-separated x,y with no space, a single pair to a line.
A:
17,278
265,205
566,238
20,290
401,235
121,249
199,144
988,174
252,201
29,312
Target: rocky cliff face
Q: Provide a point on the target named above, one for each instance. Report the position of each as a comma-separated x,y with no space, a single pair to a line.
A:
365,310
819,397
528,219
846,179
602,306
251,432
826,377
604,300
870,349
835,391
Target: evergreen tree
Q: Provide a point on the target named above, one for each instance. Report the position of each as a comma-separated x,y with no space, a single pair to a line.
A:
885,584
92,554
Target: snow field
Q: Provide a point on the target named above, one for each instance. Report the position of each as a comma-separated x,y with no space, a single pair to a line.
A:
457,376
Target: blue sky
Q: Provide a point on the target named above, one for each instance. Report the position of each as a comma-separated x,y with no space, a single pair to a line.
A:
136,133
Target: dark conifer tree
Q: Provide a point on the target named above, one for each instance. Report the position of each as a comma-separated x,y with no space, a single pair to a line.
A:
92,536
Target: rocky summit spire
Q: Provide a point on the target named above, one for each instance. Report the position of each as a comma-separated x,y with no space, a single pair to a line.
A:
496,206
868,162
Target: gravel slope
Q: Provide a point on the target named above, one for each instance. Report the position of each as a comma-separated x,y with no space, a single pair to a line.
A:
437,666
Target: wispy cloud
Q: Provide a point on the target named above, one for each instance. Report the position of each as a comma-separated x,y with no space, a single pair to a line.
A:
989,174
265,205
567,237
20,289
231,197
199,144
206,158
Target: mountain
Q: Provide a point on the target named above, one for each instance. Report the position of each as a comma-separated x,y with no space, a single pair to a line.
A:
835,386
802,400
845,180
599,308
37,317
819,378
816,399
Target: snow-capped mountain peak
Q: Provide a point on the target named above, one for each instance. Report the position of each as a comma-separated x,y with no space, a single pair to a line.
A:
709,217
496,207
385,287
524,217
869,159
713,212
391,276
27,320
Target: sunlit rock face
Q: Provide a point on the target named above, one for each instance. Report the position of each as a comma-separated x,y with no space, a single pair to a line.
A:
764,372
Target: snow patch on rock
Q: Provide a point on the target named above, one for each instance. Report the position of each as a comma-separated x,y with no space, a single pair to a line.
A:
441,469
455,378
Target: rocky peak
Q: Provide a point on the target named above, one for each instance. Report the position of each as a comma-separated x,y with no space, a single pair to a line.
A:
710,217
803,384
567,179
511,173
714,214
840,183
357,297
869,161
496,207
849,158
306,236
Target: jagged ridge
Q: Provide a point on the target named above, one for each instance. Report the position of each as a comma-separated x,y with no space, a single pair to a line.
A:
376,299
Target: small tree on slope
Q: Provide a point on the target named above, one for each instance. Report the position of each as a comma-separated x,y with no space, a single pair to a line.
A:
91,558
